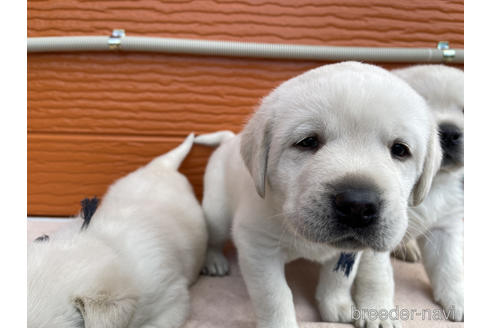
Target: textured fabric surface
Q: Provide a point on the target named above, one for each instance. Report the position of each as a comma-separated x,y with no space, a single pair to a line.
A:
223,302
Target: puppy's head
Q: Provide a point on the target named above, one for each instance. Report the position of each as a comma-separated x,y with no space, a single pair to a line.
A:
342,149
77,284
443,89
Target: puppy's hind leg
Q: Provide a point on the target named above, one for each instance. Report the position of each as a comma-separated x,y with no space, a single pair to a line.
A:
174,307
408,252
218,218
218,226
215,204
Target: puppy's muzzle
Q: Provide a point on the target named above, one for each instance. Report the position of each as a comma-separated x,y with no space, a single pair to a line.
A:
357,207
451,138
450,135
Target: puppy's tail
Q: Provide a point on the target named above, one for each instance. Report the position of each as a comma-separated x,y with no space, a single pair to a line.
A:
175,157
214,139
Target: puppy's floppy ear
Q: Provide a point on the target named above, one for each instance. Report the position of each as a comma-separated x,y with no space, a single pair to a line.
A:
432,164
255,146
106,311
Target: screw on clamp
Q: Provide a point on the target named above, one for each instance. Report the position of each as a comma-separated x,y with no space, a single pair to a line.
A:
114,40
447,53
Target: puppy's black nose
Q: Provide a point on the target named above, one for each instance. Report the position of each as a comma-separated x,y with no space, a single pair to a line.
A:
357,208
450,135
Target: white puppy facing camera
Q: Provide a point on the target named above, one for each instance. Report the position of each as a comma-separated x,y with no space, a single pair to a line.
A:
327,164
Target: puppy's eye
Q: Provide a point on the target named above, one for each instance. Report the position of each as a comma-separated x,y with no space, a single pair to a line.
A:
308,143
400,150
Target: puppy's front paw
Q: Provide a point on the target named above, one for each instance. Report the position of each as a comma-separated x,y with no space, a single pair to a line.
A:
215,263
336,309
453,306
378,323
370,316
409,252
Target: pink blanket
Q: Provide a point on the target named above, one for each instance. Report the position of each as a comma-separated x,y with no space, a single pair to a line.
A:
223,302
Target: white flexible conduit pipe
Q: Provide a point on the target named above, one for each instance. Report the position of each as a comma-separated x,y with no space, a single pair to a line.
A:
118,41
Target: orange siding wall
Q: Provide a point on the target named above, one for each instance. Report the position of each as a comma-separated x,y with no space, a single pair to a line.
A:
93,117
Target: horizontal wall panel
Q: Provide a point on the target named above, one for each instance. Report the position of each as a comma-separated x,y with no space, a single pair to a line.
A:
62,170
93,117
333,22
67,118
147,94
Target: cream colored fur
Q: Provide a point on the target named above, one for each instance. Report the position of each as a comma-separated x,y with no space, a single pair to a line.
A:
436,224
271,193
134,263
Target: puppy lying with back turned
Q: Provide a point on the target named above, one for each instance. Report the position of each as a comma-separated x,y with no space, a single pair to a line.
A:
437,224
132,265
327,163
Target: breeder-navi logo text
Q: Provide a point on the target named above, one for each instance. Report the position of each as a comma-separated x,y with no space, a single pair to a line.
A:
401,314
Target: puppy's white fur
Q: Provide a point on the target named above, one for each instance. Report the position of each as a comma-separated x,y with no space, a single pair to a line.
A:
133,264
437,223
274,191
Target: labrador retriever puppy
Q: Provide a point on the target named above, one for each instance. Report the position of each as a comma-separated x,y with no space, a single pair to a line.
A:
132,265
327,163
437,223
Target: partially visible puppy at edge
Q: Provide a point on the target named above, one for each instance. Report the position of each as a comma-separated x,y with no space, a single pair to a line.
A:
132,265
436,225
435,232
